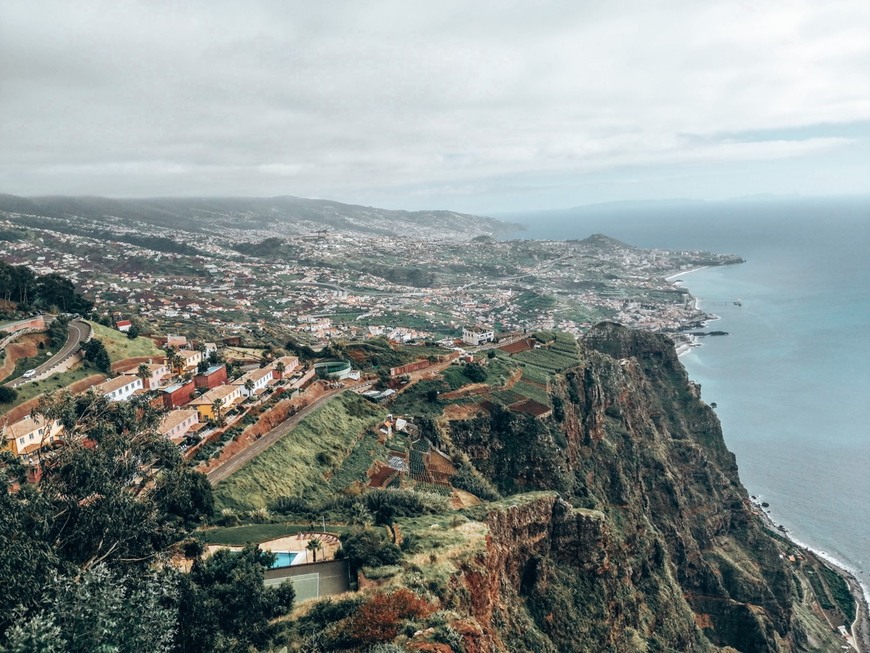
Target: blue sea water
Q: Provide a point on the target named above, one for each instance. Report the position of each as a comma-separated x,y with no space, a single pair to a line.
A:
792,380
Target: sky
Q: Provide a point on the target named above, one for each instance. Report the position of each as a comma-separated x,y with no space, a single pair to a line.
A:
480,106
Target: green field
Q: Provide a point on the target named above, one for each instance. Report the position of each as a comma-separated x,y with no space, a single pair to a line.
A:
257,533
323,447
120,346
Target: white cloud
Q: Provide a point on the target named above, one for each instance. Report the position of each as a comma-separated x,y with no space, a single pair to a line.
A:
354,100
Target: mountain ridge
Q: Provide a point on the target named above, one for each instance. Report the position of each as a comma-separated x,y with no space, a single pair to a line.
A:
285,214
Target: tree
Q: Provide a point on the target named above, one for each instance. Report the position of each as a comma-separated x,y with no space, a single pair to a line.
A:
217,408
474,372
314,545
368,547
133,332
249,387
224,605
184,494
202,367
7,395
96,354
175,361
143,373
280,367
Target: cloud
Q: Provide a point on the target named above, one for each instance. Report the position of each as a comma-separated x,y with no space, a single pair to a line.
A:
370,100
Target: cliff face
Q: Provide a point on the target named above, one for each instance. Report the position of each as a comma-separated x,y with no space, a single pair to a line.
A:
645,541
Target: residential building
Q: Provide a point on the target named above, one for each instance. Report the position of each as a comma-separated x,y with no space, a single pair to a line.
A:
178,394
177,423
156,373
260,378
477,334
226,395
123,325
290,363
191,358
120,388
30,434
213,377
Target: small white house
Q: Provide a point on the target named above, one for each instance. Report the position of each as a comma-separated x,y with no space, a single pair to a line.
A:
120,388
260,378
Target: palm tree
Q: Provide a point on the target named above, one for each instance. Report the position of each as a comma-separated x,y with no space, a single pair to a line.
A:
217,407
175,361
360,515
280,367
249,387
143,373
314,545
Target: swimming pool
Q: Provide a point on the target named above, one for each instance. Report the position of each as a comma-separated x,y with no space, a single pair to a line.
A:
283,559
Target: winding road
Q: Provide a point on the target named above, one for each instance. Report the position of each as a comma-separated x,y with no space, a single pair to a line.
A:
79,332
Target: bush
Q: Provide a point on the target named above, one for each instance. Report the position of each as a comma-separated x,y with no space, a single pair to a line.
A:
378,620
7,395
369,547
474,372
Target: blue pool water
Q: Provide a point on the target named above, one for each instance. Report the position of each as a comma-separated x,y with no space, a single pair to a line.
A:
283,559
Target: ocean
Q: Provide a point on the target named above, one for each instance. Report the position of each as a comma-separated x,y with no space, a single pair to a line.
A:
791,381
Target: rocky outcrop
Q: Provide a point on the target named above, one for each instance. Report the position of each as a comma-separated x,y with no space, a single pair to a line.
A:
645,541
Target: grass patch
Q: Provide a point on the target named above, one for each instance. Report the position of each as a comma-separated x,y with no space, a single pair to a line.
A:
258,533
120,346
28,391
305,460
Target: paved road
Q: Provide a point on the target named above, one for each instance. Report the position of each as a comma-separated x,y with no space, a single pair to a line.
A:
78,333
259,446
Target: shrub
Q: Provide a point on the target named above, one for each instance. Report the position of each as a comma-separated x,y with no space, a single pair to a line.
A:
369,547
379,619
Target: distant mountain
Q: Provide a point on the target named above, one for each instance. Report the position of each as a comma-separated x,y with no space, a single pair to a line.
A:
286,215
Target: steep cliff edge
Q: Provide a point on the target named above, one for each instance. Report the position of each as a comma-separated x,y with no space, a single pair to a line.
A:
625,528
647,542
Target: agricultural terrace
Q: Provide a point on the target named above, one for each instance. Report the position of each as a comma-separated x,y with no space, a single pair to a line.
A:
329,450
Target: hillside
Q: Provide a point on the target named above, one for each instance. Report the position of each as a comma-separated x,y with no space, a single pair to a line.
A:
623,527
284,215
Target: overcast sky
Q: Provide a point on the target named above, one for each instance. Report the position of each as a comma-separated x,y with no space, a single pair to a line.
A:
476,106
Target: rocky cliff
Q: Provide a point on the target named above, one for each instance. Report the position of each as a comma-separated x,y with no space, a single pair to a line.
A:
626,526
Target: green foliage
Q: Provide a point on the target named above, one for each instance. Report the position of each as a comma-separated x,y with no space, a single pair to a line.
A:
839,592
224,605
334,428
95,353
103,611
475,372
184,494
58,332
7,395
19,284
470,480
369,547
272,248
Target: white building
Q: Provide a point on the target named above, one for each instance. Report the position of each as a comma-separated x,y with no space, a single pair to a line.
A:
120,388
260,378
477,334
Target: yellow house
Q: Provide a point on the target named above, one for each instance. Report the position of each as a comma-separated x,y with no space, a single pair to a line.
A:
225,394
31,434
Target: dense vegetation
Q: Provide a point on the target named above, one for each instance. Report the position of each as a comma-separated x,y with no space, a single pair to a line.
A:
19,284
85,549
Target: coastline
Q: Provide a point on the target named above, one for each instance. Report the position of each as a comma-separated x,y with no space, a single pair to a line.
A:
684,272
860,628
